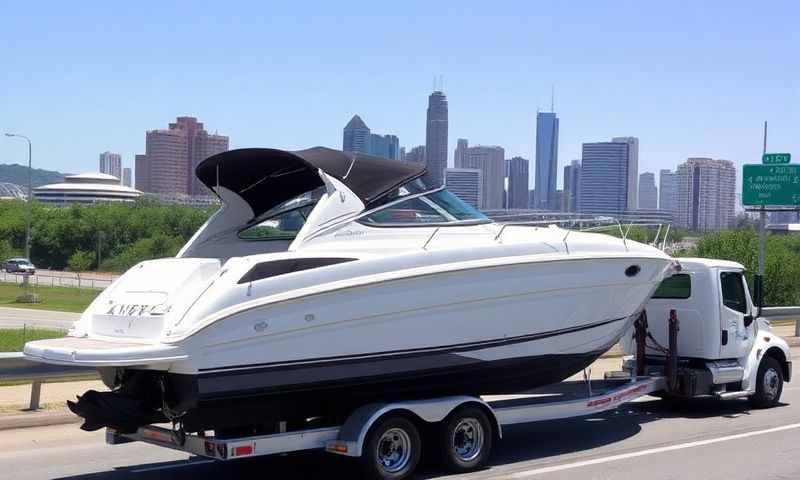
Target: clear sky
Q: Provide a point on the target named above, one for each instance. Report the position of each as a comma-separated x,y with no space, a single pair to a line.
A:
687,78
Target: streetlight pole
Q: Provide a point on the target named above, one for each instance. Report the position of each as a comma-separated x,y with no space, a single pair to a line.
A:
28,213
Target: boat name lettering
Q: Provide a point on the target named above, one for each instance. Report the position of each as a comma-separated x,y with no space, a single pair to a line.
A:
133,310
350,233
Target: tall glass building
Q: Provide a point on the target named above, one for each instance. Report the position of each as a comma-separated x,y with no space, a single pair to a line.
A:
436,138
546,161
604,178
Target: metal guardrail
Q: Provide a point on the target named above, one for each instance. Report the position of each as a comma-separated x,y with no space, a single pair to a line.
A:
15,366
783,313
43,279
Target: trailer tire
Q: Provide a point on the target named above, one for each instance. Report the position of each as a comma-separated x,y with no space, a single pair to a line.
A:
392,449
465,440
769,384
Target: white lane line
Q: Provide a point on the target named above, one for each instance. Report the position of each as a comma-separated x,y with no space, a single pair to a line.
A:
188,463
651,451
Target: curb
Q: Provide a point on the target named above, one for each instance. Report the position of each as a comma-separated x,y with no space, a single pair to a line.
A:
37,419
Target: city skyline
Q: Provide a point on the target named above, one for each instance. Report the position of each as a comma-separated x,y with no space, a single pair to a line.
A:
663,99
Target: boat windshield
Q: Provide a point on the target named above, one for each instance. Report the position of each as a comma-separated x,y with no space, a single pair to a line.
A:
435,207
283,221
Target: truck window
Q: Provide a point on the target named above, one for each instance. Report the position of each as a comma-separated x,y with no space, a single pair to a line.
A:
733,294
676,286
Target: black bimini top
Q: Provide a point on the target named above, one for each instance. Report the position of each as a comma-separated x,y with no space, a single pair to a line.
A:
266,177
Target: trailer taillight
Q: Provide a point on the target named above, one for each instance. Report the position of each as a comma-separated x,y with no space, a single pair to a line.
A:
243,451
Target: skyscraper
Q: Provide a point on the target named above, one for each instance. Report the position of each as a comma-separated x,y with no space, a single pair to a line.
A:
466,184
490,160
546,161
386,146
706,194
355,136
111,164
126,177
604,178
667,191
172,155
416,155
633,169
436,139
518,183
648,193
460,153
572,185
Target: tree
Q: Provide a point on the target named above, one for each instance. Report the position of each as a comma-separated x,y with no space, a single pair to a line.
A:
79,262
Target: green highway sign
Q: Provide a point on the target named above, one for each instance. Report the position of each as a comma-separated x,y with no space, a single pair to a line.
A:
776,158
773,185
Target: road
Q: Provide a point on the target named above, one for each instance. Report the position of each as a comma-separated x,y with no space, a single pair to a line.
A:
647,439
17,317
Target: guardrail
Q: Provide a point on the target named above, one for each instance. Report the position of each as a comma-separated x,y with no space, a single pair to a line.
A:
783,313
14,366
46,279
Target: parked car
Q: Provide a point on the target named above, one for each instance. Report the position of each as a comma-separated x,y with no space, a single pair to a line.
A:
19,265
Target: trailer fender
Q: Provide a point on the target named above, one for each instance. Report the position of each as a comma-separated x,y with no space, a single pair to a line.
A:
353,432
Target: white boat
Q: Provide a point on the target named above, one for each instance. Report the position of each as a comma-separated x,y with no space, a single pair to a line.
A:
331,279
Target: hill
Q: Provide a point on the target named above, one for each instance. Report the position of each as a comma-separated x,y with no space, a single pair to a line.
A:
18,174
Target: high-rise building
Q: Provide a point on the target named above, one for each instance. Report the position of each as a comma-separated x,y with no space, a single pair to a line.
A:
402,154
572,185
490,160
126,177
633,169
517,183
706,194
667,191
604,178
172,155
466,184
355,136
436,139
111,164
648,193
460,153
416,155
546,161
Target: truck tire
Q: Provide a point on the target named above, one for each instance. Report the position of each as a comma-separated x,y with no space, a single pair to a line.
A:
769,384
465,440
392,449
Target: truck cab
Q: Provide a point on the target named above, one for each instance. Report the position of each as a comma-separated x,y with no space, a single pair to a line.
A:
722,342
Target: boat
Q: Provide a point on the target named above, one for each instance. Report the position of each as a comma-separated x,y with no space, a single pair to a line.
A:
328,279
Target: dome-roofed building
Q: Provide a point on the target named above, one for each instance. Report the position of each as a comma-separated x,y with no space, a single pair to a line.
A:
86,188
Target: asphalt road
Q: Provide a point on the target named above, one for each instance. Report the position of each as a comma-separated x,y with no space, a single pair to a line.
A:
647,439
17,317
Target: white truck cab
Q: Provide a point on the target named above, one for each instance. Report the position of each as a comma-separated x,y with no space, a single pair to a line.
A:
722,342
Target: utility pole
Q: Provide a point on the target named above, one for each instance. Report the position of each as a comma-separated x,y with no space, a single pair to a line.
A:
30,197
762,240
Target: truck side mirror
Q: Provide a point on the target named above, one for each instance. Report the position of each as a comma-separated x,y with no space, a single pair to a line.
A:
748,320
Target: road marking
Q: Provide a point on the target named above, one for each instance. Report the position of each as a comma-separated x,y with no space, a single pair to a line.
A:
651,451
188,463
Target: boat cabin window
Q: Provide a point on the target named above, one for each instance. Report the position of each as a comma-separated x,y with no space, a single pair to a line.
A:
733,294
280,267
436,207
283,221
677,286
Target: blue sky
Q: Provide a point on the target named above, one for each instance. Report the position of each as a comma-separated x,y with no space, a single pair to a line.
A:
687,78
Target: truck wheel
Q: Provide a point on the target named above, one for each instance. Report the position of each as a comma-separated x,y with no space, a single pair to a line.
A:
466,440
392,449
769,384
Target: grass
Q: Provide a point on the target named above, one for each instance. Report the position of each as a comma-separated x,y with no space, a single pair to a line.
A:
63,299
13,339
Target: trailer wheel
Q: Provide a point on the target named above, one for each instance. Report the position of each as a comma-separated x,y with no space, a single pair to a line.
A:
466,440
769,384
392,449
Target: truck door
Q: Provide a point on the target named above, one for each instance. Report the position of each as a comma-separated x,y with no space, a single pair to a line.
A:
737,328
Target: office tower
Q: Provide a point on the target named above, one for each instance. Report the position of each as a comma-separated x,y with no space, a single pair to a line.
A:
490,160
604,178
386,146
466,184
572,184
126,177
436,138
460,153
531,197
667,191
111,164
355,136
517,183
402,154
648,193
706,194
633,169
172,155
546,160
416,155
